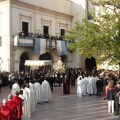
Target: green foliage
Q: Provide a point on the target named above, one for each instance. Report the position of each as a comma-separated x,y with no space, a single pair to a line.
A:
101,36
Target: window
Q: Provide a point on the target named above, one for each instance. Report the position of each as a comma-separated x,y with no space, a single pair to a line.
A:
62,32
45,30
25,26
0,41
90,10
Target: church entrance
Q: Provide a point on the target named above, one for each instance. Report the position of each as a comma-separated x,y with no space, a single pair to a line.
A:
90,64
47,56
24,56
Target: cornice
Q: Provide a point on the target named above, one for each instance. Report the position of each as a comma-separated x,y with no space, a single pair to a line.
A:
37,8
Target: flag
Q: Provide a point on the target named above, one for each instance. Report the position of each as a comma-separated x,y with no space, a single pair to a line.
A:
61,47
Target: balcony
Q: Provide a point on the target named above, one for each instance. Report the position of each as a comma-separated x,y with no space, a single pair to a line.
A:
23,41
39,44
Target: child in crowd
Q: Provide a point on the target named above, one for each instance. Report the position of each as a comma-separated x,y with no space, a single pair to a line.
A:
110,97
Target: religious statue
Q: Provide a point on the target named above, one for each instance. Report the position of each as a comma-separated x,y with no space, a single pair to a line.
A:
59,67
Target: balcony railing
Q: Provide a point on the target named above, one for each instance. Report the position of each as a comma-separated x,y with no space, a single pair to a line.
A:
34,42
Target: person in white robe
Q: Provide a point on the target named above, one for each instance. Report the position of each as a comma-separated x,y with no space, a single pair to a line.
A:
30,99
26,102
79,76
15,88
46,91
38,92
79,87
84,87
23,105
34,102
90,85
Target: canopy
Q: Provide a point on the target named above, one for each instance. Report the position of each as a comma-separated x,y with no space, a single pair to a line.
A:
37,62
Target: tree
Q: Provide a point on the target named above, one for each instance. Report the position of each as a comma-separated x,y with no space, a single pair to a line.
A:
101,36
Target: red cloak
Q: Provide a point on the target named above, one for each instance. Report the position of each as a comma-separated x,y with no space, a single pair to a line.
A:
18,102
6,112
2,117
12,106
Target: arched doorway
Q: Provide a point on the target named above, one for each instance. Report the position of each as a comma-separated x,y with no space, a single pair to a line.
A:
90,64
47,56
24,56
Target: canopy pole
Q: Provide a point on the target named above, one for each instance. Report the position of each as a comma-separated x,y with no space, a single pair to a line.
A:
25,68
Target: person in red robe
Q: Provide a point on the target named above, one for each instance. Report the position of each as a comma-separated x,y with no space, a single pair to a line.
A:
2,117
12,106
6,111
18,102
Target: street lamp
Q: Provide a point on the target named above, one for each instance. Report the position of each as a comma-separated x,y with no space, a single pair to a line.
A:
50,45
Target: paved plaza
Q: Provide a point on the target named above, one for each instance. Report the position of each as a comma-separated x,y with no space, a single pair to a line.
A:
69,107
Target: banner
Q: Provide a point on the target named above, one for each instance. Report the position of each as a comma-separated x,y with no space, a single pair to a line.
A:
37,46
40,46
61,47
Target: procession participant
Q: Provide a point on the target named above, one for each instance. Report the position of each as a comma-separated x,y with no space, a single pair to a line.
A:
84,87
79,87
79,76
26,101
90,85
24,117
66,85
2,117
30,99
15,87
38,92
6,111
34,102
12,105
18,102
46,91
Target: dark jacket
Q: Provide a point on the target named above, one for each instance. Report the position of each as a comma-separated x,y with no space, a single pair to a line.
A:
110,94
116,91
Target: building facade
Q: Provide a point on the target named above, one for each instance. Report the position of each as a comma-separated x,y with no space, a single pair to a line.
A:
51,17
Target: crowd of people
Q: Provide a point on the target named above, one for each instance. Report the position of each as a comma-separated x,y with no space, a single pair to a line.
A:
37,35
24,96
106,84
39,84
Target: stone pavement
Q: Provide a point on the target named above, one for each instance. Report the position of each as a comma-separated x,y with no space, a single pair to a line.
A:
70,107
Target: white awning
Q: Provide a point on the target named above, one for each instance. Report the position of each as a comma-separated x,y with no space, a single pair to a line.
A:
37,62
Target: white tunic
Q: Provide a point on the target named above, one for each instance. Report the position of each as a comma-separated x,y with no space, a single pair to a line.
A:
30,99
34,102
46,91
79,88
90,85
38,92
15,88
26,103
84,87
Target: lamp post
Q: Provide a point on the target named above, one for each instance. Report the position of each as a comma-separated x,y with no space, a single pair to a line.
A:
50,45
